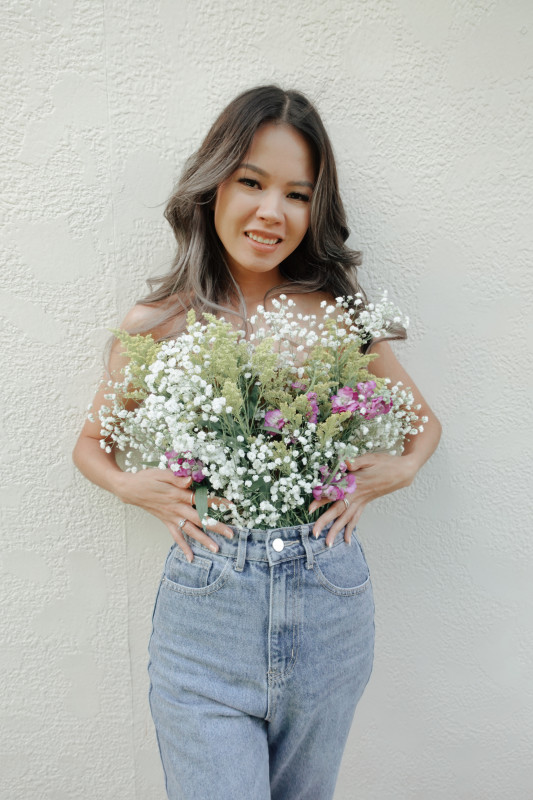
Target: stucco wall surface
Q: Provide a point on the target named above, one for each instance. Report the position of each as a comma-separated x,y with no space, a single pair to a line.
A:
429,105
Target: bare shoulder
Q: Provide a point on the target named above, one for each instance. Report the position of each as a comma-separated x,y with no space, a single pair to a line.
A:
140,317
151,318
387,361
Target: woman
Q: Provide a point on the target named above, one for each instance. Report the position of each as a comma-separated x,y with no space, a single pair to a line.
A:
262,641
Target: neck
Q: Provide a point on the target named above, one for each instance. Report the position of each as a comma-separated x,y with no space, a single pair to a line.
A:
254,286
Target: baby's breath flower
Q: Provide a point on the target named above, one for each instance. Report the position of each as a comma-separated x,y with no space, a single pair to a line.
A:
205,394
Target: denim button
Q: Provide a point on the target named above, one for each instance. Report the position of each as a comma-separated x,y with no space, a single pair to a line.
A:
278,545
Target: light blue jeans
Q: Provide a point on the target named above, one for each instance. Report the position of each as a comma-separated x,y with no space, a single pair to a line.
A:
258,656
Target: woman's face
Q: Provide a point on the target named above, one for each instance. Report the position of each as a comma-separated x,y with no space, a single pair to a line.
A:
262,210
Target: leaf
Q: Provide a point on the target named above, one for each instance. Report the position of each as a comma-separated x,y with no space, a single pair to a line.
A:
200,500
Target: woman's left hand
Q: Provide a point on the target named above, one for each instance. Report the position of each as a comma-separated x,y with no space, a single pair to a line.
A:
376,474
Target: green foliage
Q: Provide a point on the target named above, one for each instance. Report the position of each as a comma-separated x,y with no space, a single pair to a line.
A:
323,392
200,501
221,354
280,450
274,396
290,412
141,351
318,359
333,427
264,362
296,410
233,396
353,365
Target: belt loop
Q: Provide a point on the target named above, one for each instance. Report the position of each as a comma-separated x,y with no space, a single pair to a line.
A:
308,549
241,550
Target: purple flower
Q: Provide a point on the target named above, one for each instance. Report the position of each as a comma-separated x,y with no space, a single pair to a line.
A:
378,406
345,400
274,421
312,416
360,400
336,485
367,388
299,386
185,466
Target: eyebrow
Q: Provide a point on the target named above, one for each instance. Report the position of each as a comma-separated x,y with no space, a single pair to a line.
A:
266,175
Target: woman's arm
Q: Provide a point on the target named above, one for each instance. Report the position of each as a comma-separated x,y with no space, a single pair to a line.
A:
378,474
157,491
418,448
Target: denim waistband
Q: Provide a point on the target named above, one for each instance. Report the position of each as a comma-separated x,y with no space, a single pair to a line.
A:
273,545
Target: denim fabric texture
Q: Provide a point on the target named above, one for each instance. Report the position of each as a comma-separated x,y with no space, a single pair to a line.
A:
258,656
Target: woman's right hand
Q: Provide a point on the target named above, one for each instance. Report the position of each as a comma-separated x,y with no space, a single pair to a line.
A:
169,499
158,491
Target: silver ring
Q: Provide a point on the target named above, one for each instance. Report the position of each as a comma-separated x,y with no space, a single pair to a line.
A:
346,502
181,523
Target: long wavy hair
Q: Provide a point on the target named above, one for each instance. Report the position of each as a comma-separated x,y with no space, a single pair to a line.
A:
199,276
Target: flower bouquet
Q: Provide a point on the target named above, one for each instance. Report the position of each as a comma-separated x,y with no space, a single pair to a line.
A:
267,422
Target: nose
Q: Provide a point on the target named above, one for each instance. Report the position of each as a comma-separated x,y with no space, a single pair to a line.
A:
270,209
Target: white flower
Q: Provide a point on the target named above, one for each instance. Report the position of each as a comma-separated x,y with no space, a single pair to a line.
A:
183,412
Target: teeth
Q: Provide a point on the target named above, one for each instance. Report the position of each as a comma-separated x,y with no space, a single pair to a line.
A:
260,239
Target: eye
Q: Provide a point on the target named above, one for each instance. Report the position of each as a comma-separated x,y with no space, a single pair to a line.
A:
251,182
298,196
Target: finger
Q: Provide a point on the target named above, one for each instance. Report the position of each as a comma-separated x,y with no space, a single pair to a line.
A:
187,496
328,516
339,524
219,501
168,476
219,527
348,530
354,464
194,532
358,511
180,541
315,504
194,518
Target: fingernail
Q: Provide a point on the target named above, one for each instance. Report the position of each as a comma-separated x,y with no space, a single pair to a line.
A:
213,548
190,558
349,542
330,544
317,534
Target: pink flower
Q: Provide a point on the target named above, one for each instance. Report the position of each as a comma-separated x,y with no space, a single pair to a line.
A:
366,388
335,486
360,400
274,421
345,400
185,466
331,492
312,416
299,386
378,406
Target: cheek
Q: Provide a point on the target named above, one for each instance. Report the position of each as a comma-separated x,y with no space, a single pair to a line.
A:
228,212
302,223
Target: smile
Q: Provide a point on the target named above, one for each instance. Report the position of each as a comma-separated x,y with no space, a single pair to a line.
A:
261,239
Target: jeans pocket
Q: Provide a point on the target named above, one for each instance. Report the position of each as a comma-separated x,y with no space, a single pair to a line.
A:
342,569
203,576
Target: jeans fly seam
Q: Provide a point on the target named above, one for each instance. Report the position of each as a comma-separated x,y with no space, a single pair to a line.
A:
295,630
270,699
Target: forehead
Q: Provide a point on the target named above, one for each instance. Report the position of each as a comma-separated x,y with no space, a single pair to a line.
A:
281,148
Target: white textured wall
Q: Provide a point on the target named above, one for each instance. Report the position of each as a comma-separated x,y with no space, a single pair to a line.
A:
429,105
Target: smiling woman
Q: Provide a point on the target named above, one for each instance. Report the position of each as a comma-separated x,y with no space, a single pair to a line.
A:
262,639
297,181
261,220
